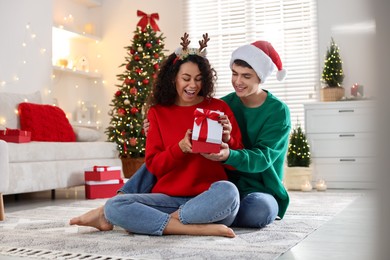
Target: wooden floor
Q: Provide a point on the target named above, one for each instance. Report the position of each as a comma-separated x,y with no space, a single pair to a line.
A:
349,235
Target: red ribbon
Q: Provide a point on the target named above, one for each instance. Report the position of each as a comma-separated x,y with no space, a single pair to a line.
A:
148,19
201,119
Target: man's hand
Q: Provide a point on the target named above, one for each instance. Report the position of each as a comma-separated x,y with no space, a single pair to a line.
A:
223,154
227,128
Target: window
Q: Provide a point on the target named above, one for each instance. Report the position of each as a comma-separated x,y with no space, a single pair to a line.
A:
291,27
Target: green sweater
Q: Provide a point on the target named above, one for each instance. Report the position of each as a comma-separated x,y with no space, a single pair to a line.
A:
265,131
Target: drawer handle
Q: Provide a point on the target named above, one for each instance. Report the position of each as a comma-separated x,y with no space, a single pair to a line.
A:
347,160
346,110
347,135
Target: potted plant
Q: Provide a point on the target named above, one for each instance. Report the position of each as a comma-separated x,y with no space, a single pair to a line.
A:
298,171
332,74
129,103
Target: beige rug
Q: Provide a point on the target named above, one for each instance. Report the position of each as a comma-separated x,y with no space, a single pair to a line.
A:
44,233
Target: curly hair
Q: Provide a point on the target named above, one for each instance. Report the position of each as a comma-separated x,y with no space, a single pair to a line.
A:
164,89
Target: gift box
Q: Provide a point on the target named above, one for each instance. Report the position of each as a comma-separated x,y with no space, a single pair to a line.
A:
102,173
207,131
102,189
15,135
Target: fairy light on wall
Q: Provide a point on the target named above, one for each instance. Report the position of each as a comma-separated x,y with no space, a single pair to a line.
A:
27,47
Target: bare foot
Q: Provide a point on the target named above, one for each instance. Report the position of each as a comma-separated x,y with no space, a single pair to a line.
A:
175,227
93,218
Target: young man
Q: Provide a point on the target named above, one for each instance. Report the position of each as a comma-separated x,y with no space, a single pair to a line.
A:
265,125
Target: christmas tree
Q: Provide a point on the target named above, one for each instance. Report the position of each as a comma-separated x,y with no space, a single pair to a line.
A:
298,154
332,73
141,65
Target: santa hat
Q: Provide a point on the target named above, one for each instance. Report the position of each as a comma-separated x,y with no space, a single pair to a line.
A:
262,57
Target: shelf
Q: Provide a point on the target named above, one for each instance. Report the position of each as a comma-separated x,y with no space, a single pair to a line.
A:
91,75
71,34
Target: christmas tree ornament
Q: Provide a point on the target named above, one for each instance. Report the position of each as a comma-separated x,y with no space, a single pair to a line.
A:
121,112
140,49
126,102
148,19
133,91
134,110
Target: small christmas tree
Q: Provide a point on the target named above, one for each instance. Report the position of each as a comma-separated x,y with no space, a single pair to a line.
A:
141,65
298,154
332,73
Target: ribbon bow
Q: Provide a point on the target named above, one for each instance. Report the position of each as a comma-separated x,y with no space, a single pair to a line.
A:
201,118
148,19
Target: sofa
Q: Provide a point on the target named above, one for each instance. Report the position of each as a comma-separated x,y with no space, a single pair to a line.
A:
46,164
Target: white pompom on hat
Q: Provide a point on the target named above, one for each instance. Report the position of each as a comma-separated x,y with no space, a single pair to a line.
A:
262,57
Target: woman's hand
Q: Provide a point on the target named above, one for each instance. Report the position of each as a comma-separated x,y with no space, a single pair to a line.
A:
146,125
185,143
227,128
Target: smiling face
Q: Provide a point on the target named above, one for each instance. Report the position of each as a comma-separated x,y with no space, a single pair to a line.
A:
245,81
188,85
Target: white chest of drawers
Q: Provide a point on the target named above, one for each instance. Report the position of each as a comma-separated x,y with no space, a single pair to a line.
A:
341,138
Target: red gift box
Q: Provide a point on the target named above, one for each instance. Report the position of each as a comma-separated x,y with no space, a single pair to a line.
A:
102,173
207,131
102,189
15,135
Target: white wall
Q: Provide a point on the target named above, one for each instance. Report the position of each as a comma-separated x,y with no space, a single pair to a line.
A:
352,25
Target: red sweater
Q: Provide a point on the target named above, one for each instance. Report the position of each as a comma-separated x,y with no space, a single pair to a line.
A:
180,174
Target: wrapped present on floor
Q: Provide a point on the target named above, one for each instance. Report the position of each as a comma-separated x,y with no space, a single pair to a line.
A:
102,173
207,131
102,189
15,135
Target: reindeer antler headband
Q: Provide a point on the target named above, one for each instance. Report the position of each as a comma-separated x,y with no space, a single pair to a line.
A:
183,52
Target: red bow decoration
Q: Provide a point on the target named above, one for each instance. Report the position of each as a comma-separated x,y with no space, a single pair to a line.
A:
148,19
201,118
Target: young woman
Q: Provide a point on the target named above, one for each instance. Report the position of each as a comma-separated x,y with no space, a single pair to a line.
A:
191,195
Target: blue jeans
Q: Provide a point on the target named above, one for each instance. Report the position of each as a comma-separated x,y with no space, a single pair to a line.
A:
257,209
149,213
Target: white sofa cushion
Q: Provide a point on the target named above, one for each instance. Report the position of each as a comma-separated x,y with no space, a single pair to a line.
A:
84,134
9,106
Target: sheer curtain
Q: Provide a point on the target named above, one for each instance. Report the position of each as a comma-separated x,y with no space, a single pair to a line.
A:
291,27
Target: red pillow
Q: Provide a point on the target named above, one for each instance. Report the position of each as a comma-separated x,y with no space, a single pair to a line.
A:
45,122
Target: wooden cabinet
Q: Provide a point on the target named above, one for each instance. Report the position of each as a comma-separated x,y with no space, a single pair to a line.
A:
341,137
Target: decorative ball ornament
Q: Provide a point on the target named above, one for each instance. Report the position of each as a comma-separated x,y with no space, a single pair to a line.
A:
156,66
127,81
145,81
126,102
134,110
118,93
156,55
148,45
128,66
132,51
140,49
136,58
133,91
121,112
133,141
